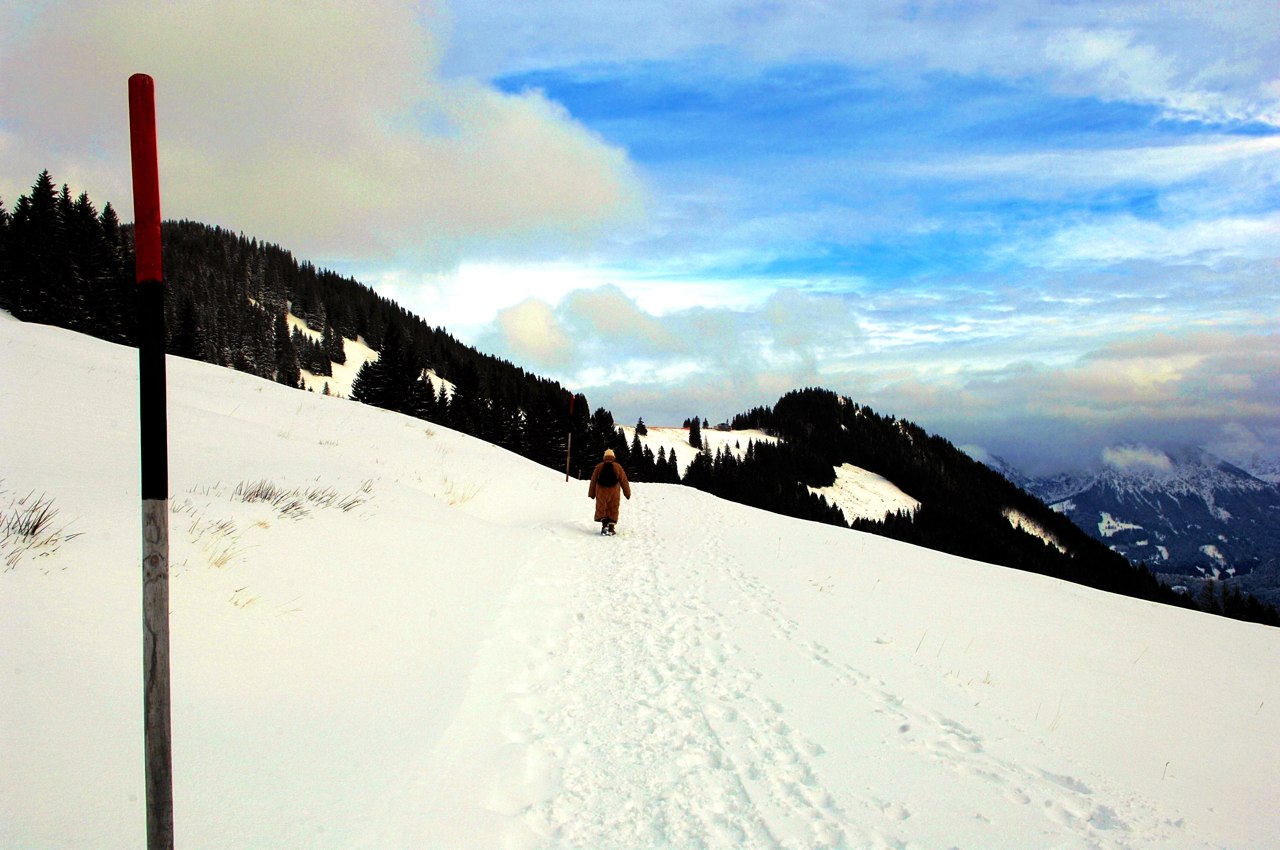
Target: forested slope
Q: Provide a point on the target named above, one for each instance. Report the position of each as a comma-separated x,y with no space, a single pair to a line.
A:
227,298
966,508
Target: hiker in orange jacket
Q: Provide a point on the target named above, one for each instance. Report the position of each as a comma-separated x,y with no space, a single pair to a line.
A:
608,485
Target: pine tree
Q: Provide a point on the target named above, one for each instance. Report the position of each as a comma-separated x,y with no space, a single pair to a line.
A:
287,370
426,404
640,428
466,400
111,305
695,433
602,433
362,388
4,250
333,346
186,339
37,288
389,382
639,469
1209,597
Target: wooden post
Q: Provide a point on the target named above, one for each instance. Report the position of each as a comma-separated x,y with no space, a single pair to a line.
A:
155,463
568,445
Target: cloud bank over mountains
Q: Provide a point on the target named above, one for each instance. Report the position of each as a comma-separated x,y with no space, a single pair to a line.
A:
1060,411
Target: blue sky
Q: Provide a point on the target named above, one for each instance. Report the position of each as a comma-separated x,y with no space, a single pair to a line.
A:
1037,228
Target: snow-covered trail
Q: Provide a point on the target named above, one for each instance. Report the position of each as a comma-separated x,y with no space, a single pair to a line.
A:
650,690
458,660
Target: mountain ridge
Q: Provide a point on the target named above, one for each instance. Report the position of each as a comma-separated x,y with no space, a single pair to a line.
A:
1186,513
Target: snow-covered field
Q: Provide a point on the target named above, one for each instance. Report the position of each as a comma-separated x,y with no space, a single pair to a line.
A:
417,640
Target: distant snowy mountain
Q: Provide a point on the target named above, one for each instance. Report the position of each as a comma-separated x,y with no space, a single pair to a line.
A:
1008,470
1184,513
1264,468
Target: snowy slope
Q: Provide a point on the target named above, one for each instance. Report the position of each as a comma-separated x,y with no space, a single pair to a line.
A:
1263,468
344,374
865,495
677,440
857,492
426,645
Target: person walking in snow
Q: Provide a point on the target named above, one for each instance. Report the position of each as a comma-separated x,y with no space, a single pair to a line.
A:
608,485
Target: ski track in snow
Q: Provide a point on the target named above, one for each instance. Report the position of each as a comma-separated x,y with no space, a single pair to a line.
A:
632,721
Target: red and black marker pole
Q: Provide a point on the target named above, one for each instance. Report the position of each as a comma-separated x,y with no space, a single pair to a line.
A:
155,462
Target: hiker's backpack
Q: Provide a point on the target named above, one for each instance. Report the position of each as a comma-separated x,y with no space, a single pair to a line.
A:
608,475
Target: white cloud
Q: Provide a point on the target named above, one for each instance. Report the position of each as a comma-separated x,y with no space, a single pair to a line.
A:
1136,458
534,334
1024,380
978,453
1127,237
1088,169
324,126
466,299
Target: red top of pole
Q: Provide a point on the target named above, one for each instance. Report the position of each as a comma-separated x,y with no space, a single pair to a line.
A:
146,177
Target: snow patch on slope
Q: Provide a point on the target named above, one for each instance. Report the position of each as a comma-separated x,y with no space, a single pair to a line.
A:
1021,521
1215,553
358,353
1109,525
865,495
677,440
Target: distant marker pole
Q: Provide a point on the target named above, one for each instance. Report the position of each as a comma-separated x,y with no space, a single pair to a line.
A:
155,463
568,445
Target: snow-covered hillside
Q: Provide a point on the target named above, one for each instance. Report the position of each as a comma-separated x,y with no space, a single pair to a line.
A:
857,492
344,374
861,494
387,634
677,440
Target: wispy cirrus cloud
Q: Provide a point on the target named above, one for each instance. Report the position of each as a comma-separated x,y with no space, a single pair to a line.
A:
853,172
1126,237
1166,55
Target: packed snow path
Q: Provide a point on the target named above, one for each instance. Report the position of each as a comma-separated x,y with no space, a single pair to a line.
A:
648,691
424,643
